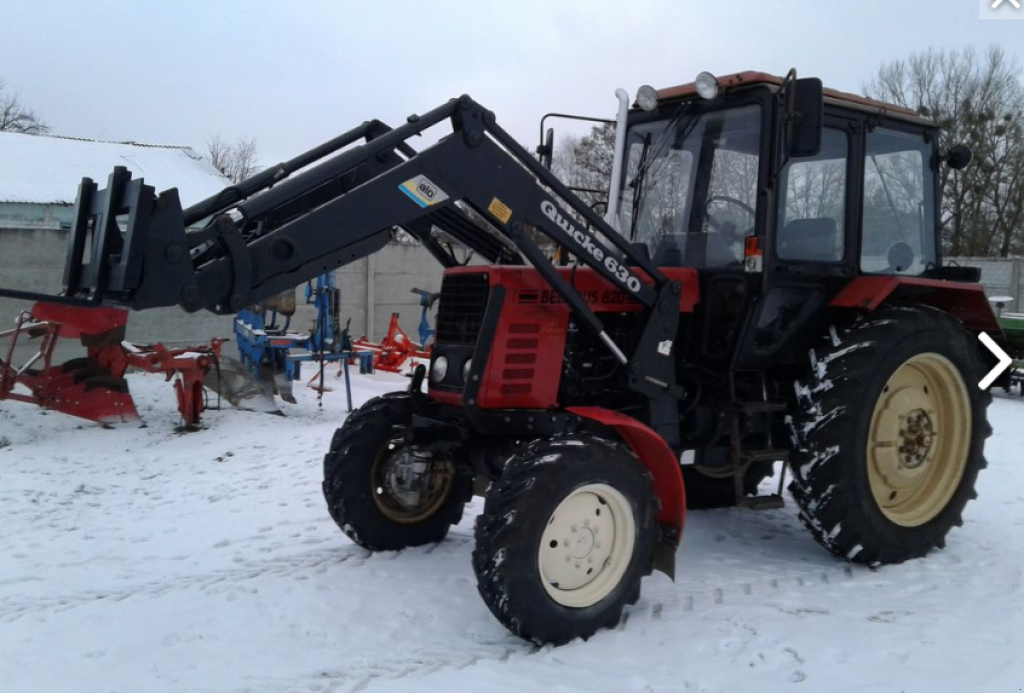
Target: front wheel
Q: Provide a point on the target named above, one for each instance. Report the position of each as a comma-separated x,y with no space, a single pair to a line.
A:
889,434
385,494
566,535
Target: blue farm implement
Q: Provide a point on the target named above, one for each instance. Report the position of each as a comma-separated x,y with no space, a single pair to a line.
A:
273,353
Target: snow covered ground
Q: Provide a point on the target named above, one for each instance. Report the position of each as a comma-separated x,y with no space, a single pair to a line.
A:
140,559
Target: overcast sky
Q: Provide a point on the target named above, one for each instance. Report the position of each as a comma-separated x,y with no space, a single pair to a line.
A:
292,74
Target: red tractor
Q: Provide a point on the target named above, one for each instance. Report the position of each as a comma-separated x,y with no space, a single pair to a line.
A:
767,287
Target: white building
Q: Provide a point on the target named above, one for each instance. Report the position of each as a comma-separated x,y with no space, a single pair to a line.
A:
39,178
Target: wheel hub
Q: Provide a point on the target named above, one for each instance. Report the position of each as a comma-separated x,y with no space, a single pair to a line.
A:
584,544
587,545
918,435
919,439
410,484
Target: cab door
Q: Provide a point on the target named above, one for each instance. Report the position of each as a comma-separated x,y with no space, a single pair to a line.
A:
728,207
811,248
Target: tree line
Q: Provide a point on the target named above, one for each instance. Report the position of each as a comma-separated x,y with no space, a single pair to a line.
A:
978,99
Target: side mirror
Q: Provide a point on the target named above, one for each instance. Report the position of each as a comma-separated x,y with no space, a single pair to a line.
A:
959,157
806,113
547,149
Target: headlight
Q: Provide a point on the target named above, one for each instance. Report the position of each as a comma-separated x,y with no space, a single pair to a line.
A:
439,369
647,97
707,85
465,370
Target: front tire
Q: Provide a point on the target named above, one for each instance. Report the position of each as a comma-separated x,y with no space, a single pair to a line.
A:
566,535
889,434
384,494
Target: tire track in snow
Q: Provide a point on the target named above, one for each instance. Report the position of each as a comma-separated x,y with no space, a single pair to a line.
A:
685,601
11,610
359,675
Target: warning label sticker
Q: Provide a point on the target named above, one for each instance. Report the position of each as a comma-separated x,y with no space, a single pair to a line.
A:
423,192
500,210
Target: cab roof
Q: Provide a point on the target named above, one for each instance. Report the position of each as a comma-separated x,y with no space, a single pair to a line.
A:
751,78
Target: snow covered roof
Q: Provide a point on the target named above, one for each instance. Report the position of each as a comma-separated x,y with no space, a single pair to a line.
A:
47,170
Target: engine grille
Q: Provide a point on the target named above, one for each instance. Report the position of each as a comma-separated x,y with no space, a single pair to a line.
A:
460,312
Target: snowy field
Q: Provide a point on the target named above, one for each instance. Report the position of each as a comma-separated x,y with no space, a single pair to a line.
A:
139,559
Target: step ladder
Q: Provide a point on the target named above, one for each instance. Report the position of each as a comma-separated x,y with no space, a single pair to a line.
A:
743,457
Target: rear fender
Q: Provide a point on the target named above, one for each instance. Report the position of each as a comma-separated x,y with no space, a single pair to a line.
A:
657,457
965,302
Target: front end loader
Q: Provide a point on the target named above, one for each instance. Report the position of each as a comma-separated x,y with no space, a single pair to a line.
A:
765,293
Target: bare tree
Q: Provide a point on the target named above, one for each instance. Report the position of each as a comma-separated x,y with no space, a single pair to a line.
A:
586,163
14,117
979,101
236,160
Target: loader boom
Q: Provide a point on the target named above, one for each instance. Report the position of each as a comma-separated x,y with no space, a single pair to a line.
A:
275,230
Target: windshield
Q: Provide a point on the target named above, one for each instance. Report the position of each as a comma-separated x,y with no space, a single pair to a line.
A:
690,192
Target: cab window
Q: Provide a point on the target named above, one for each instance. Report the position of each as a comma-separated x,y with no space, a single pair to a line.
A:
898,206
812,214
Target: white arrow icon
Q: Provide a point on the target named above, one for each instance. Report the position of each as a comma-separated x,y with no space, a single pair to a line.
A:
1015,3
1004,361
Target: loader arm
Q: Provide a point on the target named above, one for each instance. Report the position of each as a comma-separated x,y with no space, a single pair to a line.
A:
276,230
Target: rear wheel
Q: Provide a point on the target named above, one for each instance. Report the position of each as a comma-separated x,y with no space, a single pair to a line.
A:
889,435
566,536
385,494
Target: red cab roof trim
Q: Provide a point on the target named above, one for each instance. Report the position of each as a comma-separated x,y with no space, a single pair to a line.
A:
750,78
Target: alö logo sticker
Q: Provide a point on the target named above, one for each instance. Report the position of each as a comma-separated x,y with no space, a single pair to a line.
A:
423,192
591,247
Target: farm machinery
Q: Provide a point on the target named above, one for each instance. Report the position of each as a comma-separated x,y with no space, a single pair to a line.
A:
397,348
766,290
1013,329
93,386
272,354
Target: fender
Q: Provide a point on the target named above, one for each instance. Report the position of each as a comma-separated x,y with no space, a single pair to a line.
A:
965,302
655,454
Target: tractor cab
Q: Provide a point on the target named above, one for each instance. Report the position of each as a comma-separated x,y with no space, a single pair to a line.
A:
778,192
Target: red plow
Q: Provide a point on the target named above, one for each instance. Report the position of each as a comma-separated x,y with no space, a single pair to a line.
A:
394,350
93,387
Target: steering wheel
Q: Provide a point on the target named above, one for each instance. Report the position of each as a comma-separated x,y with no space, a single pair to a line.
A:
717,225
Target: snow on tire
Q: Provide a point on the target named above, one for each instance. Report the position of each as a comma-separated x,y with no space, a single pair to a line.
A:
566,535
888,434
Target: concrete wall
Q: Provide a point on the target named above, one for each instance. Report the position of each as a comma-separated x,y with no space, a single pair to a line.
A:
32,259
1000,277
375,287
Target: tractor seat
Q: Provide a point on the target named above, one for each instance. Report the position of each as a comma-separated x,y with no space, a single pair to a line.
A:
671,250
809,239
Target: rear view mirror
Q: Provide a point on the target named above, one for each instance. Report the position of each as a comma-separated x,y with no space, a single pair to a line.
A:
806,107
959,157
547,149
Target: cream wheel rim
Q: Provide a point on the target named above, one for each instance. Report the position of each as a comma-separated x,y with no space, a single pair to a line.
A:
587,546
919,440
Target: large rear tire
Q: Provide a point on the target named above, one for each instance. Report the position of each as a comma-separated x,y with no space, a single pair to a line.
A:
384,495
889,434
566,535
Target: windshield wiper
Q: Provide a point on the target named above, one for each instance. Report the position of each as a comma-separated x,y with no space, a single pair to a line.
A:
638,186
663,138
649,155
